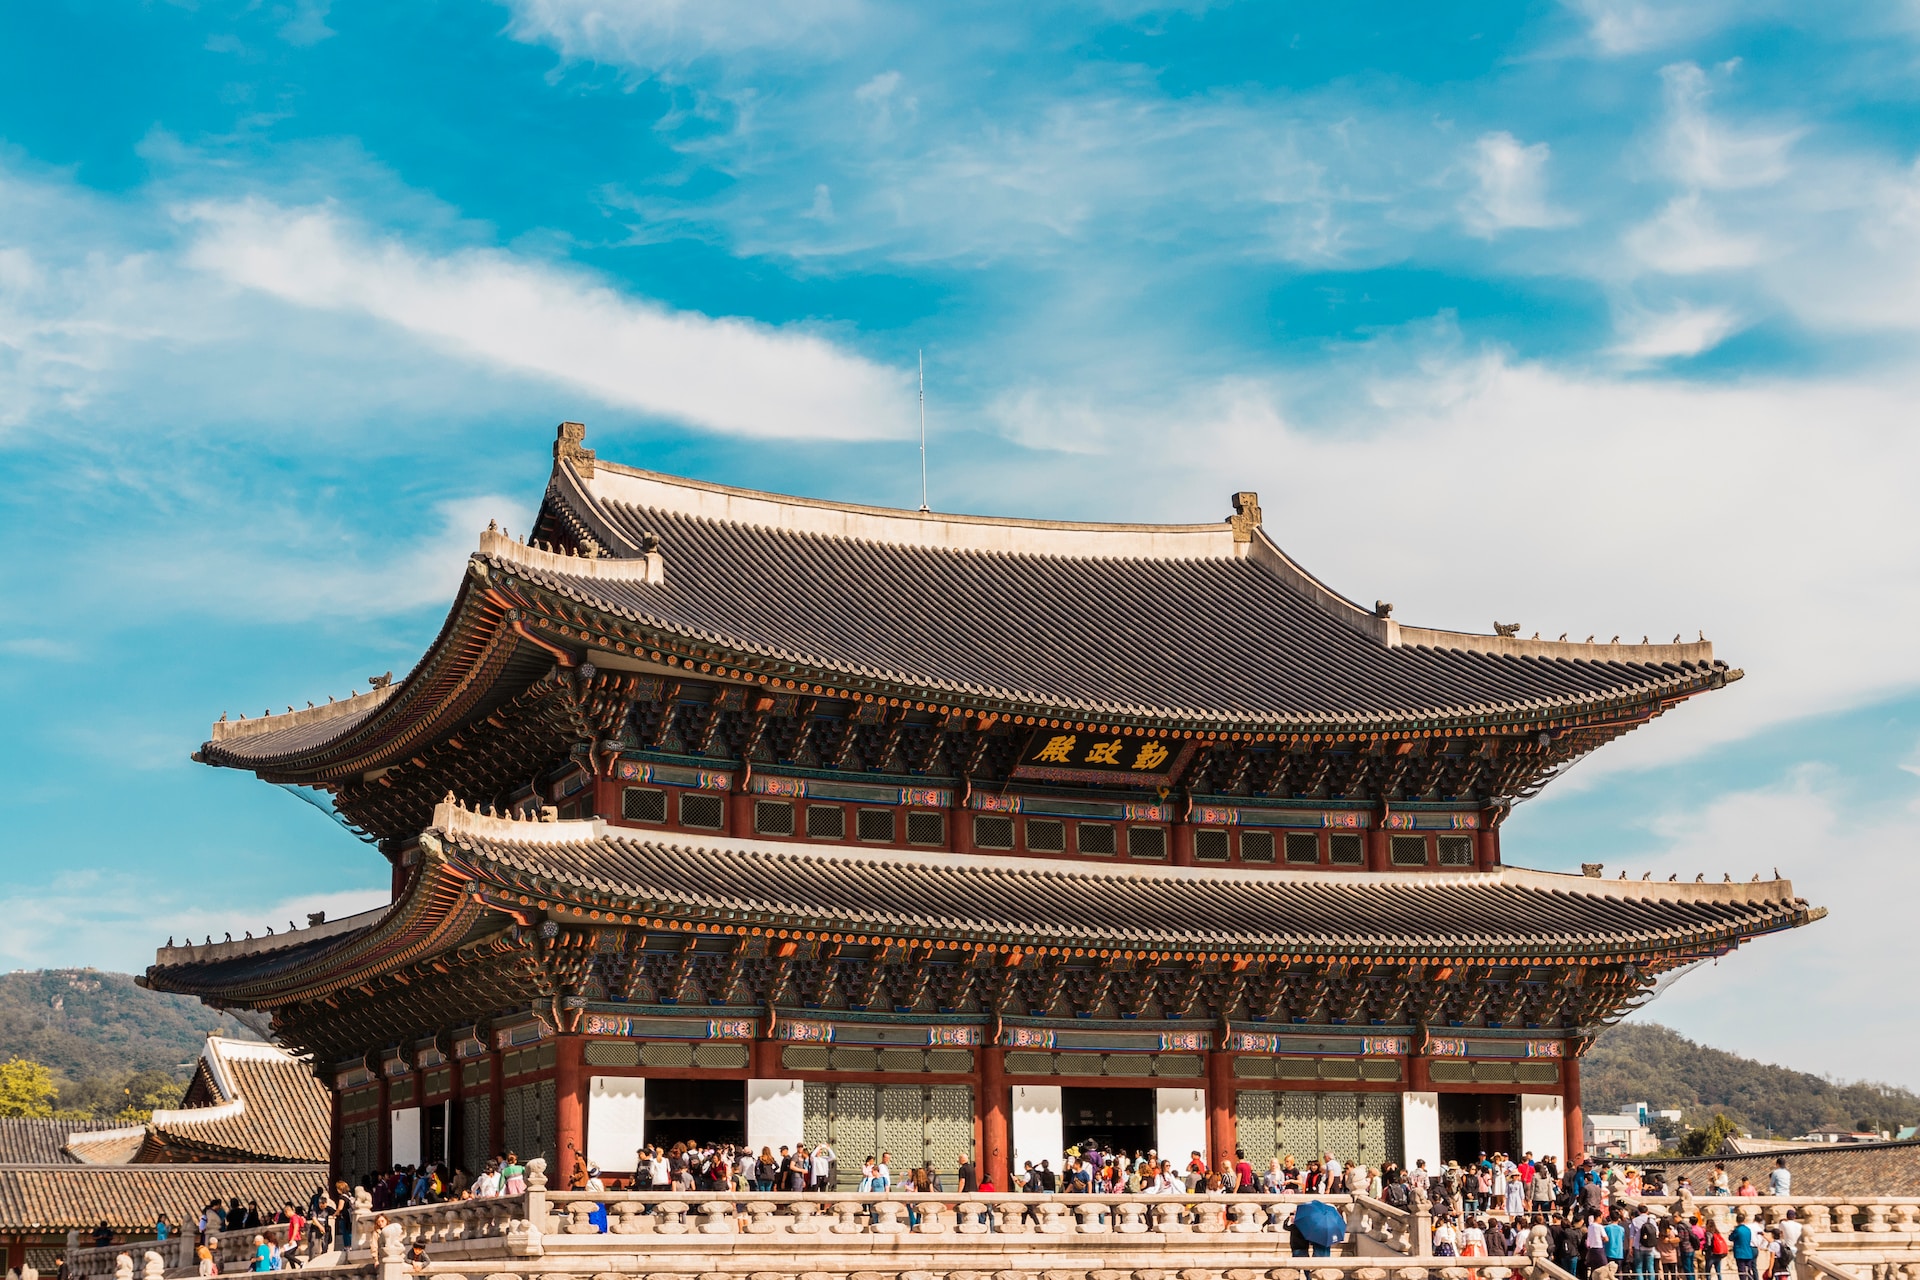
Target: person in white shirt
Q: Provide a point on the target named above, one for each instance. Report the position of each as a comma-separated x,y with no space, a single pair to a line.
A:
883,1172
1332,1166
1780,1181
660,1168
823,1158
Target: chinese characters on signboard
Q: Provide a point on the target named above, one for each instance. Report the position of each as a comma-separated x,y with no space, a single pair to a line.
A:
1069,754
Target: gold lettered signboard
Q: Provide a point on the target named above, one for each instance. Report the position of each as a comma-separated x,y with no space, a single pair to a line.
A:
1070,755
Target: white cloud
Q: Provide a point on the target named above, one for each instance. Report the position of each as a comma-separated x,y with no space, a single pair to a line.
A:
1702,151
727,375
1683,331
115,922
1685,239
1772,513
1636,26
658,35
1512,186
1865,870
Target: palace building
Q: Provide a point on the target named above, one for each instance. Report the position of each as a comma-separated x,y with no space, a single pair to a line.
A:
714,814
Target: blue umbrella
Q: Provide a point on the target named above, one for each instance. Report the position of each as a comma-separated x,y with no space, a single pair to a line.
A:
1321,1223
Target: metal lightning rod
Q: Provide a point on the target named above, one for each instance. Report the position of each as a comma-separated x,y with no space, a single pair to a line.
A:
923,433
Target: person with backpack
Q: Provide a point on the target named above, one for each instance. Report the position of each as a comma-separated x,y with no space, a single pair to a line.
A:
1645,1231
1745,1252
1717,1250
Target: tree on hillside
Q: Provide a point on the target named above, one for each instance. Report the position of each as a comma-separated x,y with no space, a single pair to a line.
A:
130,1098
26,1088
1708,1139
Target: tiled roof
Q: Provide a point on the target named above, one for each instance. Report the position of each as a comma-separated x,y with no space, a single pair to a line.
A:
53,1198
1840,1169
1196,625
271,1109
109,1146
30,1140
1168,622
1508,911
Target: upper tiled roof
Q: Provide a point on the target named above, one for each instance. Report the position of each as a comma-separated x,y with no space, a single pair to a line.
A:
55,1198
1508,911
270,1108
1207,622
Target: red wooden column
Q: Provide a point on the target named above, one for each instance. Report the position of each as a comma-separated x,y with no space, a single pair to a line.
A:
1221,1130
333,1143
1376,838
606,797
1183,844
383,1146
1570,1104
991,1102
765,1062
570,1108
496,1103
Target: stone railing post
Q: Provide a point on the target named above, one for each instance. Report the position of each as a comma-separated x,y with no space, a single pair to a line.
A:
393,1258
1843,1218
1422,1230
123,1267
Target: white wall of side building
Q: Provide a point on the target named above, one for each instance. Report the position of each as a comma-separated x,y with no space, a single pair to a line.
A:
776,1114
1420,1128
616,1120
1543,1127
1180,1123
1037,1131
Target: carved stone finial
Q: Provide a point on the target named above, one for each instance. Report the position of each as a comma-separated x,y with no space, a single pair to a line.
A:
1383,608
154,1267
123,1267
380,682
1506,628
537,1174
1592,869
569,446
1246,516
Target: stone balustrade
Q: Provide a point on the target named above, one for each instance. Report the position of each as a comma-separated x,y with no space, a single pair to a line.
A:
232,1252
1828,1217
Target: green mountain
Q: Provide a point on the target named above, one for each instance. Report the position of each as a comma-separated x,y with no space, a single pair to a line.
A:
1635,1062
90,1025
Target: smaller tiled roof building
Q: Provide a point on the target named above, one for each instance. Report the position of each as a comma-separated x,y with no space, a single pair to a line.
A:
254,1124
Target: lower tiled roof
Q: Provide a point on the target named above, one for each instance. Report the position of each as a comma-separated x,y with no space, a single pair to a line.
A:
1842,1169
51,1198
1508,911
33,1140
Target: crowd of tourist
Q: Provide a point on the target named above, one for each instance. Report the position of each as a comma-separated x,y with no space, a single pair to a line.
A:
1590,1219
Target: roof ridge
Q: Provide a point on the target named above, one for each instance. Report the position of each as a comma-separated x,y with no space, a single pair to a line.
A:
225,730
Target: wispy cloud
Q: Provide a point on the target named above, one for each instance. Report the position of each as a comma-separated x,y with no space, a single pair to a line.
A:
1704,151
1837,857
1511,186
1630,505
656,35
1681,332
726,375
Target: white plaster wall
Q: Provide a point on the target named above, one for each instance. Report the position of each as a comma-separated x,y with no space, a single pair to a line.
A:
1543,1129
616,1121
1037,1134
776,1114
406,1135
1180,1124
1420,1128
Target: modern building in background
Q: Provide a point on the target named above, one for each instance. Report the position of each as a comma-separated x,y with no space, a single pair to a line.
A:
714,814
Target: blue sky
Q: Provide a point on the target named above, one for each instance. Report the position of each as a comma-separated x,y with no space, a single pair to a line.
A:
1600,315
